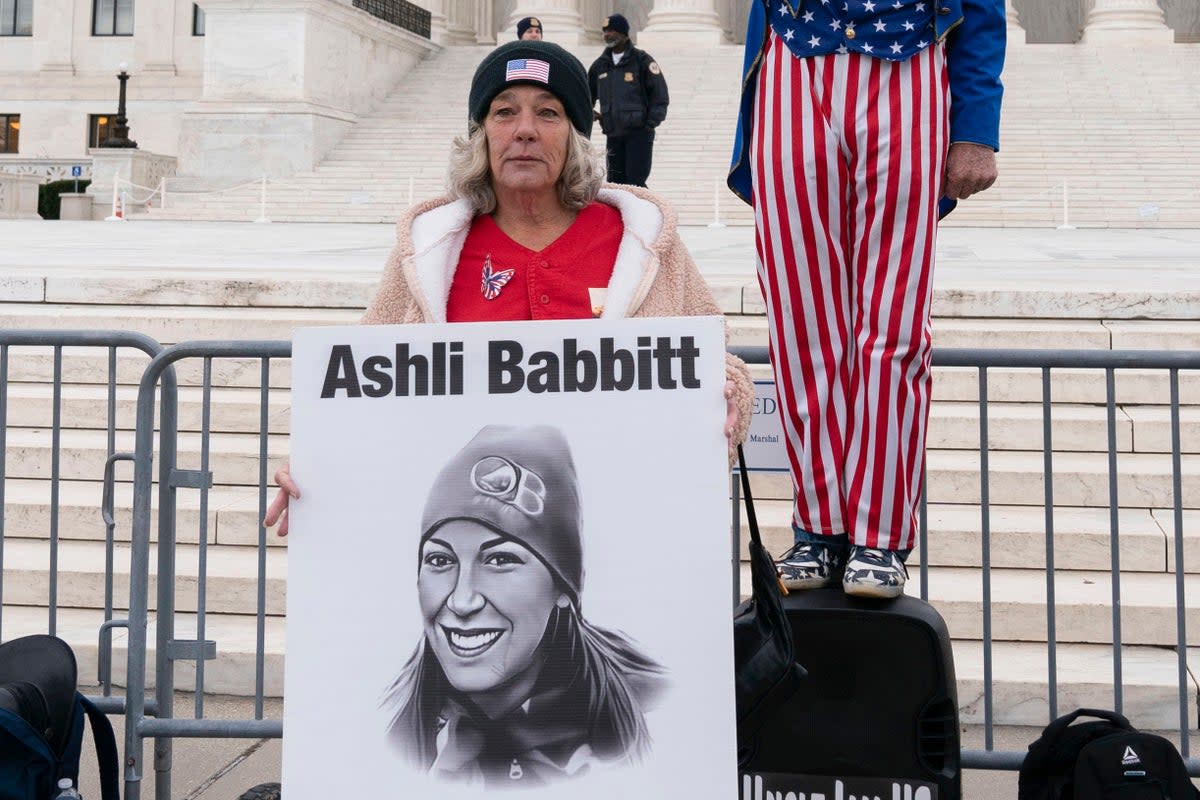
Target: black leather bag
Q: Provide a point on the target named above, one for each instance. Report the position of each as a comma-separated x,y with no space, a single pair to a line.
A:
764,655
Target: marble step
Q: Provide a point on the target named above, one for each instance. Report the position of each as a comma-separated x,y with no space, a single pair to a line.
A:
729,275
169,324
232,514
1019,679
982,333
1081,479
1080,428
88,365
231,586
1087,386
1020,334
1144,480
231,410
1020,684
233,457
206,287
1017,537
953,424
1018,595
1082,602
231,672
249,212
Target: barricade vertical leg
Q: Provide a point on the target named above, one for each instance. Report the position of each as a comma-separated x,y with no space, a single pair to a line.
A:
139,578
55,468
164,675
3,449
139,570
1048,472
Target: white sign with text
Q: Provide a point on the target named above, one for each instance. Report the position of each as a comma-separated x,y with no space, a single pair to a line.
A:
509,566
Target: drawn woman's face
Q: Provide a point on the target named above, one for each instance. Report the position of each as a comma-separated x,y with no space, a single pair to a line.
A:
485,600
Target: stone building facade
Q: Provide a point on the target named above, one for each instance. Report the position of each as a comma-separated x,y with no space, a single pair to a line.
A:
241,88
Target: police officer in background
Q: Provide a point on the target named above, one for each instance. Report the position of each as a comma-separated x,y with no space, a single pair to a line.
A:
530,28
632,93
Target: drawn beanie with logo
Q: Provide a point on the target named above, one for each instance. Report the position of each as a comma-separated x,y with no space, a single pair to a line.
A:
520,481
533,63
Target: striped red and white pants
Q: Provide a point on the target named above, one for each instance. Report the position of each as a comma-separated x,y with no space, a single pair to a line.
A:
846,157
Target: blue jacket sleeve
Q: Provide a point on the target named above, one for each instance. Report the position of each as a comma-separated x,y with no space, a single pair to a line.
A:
975,58
757,28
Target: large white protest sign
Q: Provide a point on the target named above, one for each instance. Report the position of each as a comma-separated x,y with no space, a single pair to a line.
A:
509,567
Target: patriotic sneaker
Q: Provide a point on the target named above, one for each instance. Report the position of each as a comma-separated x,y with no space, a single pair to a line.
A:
871,572
811,565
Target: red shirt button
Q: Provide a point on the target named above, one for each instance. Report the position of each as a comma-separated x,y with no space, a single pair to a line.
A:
545,299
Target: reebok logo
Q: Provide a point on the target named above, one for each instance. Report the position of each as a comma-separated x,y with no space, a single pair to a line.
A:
1130,757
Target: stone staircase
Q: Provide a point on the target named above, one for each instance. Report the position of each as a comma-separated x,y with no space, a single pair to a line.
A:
1106,123
1018,587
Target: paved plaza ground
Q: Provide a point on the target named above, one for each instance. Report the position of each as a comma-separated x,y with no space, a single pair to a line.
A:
1076,272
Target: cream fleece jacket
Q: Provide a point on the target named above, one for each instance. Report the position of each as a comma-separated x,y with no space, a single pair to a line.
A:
654,275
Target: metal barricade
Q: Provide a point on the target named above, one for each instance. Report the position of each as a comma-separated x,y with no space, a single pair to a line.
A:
53,342
1109,362
168,648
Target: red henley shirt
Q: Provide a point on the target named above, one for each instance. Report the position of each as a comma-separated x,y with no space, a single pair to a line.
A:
550,284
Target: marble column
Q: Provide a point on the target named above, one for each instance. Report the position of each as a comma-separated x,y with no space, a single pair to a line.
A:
1131,22
54,36
485,26
460,22
1016,34
1184,17
594,12
682,22
562,20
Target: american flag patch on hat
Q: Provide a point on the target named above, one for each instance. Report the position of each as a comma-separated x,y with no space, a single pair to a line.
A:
527,69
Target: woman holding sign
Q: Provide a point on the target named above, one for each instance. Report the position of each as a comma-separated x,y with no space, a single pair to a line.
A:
530,231
510,685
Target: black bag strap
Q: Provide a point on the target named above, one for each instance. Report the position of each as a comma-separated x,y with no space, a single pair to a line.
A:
751,517
106,750
1056,728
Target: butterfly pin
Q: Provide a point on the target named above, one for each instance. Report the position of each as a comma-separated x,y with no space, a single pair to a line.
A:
494,280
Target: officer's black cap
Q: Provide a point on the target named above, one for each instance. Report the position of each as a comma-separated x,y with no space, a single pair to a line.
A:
616,22
527,23
567,80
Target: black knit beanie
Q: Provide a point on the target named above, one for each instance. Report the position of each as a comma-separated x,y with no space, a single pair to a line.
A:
533,63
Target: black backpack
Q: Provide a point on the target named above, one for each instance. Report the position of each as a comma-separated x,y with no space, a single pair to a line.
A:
1106,758
41,722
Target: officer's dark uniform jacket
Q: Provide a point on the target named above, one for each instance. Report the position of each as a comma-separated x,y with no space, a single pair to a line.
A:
632,94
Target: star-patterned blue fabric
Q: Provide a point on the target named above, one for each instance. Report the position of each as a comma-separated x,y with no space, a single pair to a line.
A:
891,29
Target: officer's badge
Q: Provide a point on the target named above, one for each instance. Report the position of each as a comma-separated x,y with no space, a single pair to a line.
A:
534,23
629,77
655,68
